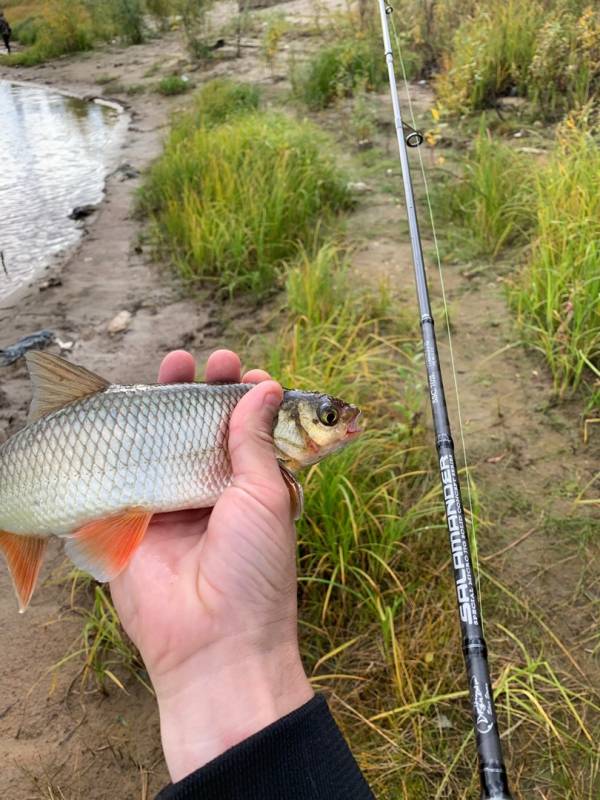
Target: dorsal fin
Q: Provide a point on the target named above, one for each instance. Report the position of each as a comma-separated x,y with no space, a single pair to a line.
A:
57,382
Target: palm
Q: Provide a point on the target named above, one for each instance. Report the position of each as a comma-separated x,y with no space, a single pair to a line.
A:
199,576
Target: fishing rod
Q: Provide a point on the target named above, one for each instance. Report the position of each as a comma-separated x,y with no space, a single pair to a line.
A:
492,772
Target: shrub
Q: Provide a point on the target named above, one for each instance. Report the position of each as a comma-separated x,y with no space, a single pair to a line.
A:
128,17
276,27
232,202
26,32
565,70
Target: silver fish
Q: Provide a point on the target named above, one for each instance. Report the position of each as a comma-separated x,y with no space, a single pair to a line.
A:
96,461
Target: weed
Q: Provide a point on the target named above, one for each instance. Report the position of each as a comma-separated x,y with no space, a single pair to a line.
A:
221,196
376,602
104,80
135,89
557,295
363,121
128,16
173,84
276,27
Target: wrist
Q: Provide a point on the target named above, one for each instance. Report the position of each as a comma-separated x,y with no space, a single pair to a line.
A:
221,698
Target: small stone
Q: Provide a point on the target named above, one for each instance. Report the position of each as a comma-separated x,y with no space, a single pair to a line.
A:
120,323
358,187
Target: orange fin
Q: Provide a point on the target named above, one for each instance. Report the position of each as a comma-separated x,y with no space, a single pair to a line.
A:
24,556
295,489
57,382
103,547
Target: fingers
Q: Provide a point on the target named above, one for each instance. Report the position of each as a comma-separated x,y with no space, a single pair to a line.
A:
223,365
251,434
256,376
177,367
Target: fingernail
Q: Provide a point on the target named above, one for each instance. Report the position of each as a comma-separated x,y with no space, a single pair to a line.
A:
272,399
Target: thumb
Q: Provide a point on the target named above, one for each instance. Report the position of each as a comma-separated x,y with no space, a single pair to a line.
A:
251,435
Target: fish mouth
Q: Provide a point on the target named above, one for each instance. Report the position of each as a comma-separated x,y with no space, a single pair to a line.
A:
353,429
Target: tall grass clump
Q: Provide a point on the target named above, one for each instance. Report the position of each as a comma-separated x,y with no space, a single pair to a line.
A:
173,84
490,55
490,205
220,100
545,50
565,69
338,69
558,294
62,26
231,203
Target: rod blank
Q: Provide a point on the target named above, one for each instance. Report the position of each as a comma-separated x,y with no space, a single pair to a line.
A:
494,781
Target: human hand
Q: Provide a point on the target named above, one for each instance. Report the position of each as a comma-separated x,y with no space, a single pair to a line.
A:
209,597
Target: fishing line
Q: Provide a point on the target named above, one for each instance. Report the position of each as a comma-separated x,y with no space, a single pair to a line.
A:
446,315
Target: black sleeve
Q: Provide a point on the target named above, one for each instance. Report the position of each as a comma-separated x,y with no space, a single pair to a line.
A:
302,756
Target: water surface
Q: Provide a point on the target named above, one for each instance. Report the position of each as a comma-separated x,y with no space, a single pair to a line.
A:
55,153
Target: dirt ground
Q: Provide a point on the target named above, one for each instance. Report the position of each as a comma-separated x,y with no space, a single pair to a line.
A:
526,453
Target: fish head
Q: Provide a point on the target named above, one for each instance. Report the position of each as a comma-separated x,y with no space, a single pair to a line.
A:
311,425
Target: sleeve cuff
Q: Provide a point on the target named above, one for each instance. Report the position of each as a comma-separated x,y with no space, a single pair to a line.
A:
302,756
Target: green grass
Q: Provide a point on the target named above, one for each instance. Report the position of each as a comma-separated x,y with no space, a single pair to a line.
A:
491,54
546,50
377,607
504,198
61,27
557,297
51,28
173,84
219,101
221,198
107,654
339,69
489,206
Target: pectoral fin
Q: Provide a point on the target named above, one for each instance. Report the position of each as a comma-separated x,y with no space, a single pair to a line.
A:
103,547
295,489
24,556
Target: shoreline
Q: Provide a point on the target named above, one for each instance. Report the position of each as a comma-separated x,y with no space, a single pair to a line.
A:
57,261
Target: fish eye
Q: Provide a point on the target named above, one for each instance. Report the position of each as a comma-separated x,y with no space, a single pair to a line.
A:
328,415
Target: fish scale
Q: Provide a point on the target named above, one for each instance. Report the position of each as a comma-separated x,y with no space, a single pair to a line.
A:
156,447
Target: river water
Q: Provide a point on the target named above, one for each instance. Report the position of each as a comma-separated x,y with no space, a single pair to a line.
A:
55,154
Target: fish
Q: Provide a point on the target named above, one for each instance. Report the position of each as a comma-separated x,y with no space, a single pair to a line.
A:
96,460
